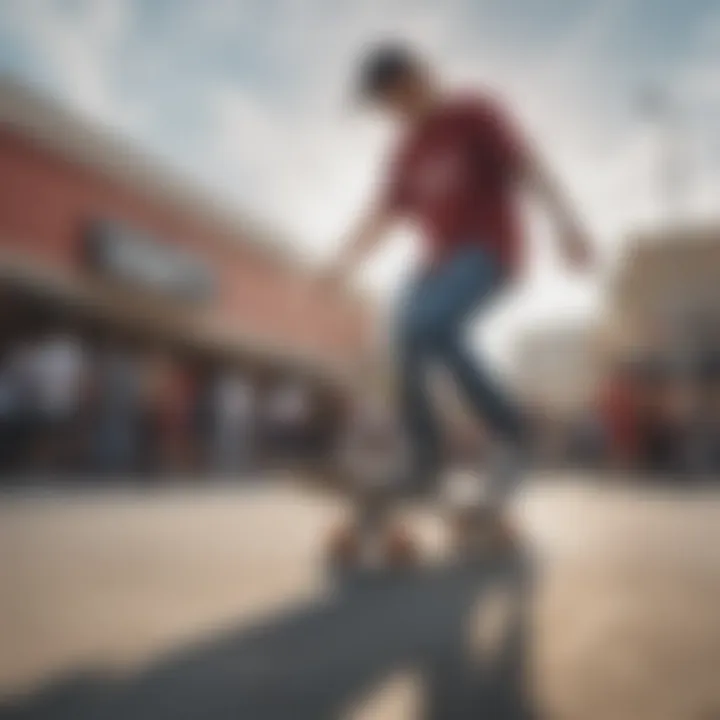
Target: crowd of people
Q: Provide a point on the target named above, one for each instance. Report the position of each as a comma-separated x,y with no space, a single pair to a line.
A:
105,407
665,416
652,416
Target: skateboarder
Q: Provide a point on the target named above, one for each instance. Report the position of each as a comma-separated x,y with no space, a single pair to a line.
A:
457,172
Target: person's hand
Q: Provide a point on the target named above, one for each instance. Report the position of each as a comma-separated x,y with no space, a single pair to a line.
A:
576,248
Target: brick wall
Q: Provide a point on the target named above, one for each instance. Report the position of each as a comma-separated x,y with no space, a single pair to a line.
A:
46,201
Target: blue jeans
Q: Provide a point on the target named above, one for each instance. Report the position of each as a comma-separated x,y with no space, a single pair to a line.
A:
430,329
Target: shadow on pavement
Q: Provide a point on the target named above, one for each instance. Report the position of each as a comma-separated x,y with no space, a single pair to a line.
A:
316,661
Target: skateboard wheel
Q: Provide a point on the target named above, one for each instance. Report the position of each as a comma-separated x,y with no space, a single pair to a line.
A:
344,547
401,550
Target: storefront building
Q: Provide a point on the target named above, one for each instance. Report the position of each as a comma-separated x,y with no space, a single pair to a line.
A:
663,338
92,230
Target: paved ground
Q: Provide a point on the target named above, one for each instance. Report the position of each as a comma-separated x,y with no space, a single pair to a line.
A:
212,604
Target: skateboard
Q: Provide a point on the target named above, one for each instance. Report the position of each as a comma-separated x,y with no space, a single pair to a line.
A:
373,536
375,478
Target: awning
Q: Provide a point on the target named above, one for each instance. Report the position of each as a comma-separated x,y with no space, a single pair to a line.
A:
161,319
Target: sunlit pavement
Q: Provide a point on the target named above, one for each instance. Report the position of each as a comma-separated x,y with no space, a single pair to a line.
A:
625,621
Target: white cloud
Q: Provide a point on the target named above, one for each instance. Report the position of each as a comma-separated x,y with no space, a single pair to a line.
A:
281,142
77,42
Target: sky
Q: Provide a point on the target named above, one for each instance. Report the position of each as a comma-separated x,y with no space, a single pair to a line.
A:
251,98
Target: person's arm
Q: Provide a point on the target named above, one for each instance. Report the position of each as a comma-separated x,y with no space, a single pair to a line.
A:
365,238
573,239
513,152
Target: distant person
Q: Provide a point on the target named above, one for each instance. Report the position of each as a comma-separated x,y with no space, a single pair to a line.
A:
233,425
8,412
457,173
714,403
287,418
117,412
167,391
56,373
588,438
14,406
202,420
